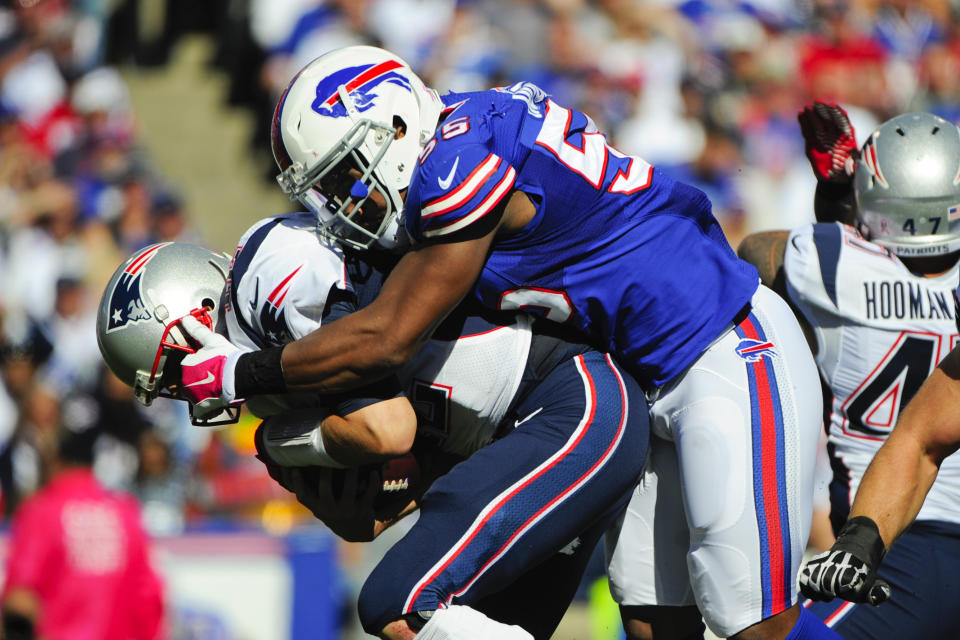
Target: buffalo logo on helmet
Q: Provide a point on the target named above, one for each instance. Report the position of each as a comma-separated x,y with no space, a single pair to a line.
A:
360,83
126,299
272,317
755,350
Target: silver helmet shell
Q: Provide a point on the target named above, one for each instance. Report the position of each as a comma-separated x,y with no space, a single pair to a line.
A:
907,185
140,310
341,112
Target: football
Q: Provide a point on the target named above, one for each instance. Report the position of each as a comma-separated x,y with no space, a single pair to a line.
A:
398,478
399,481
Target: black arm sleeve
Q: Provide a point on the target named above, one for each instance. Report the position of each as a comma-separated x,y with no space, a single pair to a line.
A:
834,202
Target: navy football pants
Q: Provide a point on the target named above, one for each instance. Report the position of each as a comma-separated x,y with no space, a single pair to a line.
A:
509,531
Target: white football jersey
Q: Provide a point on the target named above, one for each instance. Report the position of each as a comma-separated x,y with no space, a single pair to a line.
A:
880,331
286,276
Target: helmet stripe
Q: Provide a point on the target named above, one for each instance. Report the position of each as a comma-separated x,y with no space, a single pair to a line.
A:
144,258
874,165
372,73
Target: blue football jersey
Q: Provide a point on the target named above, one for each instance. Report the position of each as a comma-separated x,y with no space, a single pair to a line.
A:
617,250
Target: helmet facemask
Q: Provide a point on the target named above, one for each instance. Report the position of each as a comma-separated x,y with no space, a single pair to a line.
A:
161,381
346,135
338,186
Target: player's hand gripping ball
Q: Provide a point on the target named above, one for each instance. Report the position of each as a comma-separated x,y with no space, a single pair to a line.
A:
349,501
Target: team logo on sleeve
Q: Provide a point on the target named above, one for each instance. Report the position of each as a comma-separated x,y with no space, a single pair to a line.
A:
360,82
273,321
126,299
755,350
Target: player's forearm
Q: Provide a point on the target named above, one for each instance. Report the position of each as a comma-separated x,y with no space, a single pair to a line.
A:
377,340
894,487
355,350
375,433
900,475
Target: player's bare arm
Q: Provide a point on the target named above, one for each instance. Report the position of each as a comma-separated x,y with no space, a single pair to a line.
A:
765,251
367,345
372,434
891,493
900,475
421,290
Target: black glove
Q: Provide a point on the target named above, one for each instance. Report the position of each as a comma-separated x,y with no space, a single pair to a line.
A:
830,142
848,569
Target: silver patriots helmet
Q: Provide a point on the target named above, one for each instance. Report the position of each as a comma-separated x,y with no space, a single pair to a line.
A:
907,185
139,314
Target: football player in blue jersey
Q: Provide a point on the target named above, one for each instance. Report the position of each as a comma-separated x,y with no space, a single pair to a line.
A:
530,444
521,203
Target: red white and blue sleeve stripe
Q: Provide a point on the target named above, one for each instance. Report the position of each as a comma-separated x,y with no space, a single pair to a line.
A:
474,196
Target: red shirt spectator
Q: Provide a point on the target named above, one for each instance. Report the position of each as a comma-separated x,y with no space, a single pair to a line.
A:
82,553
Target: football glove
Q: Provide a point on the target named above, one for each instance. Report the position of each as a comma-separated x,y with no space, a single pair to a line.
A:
848,569
207,376
829,140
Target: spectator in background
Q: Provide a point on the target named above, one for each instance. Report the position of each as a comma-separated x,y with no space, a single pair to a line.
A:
161,486
121,422
940,79
74,362
714,171
79,564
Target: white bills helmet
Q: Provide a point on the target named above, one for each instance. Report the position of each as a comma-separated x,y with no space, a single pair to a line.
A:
139,314
358,109
907,185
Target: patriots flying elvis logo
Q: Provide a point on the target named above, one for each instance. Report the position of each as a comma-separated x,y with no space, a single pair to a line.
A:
272,318
126,299
755,350
360,83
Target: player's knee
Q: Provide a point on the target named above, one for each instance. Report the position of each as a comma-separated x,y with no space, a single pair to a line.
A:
377,606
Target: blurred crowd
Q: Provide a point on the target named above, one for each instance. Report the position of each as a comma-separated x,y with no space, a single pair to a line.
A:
707,90
79,194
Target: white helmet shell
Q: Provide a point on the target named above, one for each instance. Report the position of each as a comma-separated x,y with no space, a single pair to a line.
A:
359,108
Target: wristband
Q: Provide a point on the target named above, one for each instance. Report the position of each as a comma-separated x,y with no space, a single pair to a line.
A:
258,373
861,537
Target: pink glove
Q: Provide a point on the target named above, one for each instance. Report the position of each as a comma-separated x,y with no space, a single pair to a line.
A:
830,142
207,376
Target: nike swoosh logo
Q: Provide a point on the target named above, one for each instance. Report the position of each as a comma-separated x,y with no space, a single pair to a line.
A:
209,378
517,423
445,184
256,294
